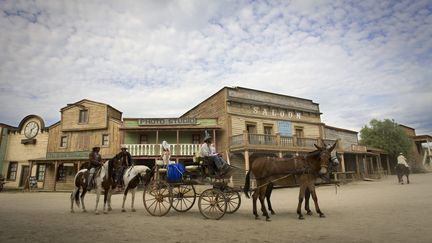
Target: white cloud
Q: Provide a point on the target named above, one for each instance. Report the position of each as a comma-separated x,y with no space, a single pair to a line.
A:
359,60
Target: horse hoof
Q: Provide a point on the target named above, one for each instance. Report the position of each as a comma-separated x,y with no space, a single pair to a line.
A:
322,216
257,218
123,210
273,213
133,210
84,211
72,211
268,220
309,213
96,213
301,217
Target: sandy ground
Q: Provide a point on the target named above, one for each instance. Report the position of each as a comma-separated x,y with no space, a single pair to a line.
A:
380,211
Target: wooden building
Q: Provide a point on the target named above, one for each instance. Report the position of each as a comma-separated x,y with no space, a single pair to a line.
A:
83,125
357,161
419,155
18,147
257,123
143,137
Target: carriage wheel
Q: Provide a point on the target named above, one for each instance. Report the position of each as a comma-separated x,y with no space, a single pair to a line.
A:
157,198
212,204
233,201
184,197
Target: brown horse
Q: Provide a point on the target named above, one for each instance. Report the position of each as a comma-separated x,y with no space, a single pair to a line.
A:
103,181
267,170
334,164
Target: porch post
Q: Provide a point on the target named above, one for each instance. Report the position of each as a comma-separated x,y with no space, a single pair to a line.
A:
246,158
357,165
55,174
388,165
342,162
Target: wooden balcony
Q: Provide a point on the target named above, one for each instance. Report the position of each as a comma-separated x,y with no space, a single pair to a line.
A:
266,142
151,150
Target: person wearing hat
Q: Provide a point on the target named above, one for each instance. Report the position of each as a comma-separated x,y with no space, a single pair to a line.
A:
166,153
95,162
126,161
207,152
402,160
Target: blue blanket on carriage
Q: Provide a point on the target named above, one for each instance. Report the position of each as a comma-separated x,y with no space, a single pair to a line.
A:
175,172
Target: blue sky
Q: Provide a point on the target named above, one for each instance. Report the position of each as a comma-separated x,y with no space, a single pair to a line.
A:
358,59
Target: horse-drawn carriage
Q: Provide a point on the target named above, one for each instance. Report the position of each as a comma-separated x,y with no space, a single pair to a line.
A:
197,181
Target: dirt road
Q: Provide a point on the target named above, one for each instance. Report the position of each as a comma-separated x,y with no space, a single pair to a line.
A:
380,211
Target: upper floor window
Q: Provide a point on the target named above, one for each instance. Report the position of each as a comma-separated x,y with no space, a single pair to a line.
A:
12,171
105,139
63,141
83,116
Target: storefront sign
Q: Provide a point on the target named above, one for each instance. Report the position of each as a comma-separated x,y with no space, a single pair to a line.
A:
358,148
276,113
167,121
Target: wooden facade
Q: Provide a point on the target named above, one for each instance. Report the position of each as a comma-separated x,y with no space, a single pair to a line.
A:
257,123
18,150
72,138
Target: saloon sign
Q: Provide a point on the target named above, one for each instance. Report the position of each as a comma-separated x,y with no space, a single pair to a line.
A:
276,113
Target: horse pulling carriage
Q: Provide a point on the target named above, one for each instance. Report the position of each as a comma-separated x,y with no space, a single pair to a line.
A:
181,193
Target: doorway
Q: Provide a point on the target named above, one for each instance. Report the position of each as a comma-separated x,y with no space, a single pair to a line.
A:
25,169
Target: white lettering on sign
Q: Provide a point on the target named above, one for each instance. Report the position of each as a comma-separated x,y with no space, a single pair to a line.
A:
275,113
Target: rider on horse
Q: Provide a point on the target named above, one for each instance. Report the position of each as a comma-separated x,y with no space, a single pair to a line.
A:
126,161
402,160
95,162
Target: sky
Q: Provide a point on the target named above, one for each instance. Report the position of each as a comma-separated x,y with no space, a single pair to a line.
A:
358,60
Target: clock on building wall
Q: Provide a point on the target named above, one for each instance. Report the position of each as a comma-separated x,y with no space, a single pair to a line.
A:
31,129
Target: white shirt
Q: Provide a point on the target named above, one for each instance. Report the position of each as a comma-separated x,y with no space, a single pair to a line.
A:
402,160
205,150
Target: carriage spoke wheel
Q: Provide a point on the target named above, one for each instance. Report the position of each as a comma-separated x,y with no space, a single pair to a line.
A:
183,197
157,198
233,201
212,204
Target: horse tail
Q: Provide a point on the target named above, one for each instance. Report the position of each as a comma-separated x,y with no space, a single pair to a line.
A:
76,192
246,187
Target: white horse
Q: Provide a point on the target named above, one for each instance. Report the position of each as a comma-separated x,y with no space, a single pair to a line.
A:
103,180
131,178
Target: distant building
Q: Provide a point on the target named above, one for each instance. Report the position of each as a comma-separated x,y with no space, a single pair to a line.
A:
418,153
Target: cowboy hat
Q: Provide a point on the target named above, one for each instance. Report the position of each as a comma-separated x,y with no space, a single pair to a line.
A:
123,146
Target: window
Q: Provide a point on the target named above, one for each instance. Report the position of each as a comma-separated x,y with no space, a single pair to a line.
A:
40,172
63,141
196,139
83,116
61,173
299,135
105,139
268,131
12,171
143,139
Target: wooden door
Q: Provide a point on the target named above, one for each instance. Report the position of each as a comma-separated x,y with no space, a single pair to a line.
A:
25,169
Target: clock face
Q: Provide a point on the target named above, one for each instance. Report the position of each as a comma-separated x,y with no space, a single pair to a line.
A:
31,129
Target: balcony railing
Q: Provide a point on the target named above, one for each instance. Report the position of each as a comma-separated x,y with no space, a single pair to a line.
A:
273,141
156,149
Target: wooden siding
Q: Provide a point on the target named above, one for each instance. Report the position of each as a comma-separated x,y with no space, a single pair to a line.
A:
214,107
85,140
346,139
97,117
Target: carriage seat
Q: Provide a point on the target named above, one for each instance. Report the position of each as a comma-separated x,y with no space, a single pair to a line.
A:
197,163
160,165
